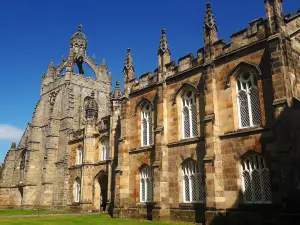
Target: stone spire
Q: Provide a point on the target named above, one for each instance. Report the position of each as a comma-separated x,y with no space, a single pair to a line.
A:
128,66
210,31
164,53
163,44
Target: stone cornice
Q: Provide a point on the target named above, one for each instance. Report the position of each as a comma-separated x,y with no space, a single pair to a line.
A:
141,149
243,132
185,142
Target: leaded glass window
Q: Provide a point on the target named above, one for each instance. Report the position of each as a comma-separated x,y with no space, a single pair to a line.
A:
189,115
193,185
146,128
248,100
256,180
146,184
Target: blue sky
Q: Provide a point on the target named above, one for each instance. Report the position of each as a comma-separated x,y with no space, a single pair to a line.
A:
34,32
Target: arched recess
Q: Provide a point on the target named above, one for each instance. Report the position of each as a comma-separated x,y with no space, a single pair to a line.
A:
142,103
242,67
184,88
100,194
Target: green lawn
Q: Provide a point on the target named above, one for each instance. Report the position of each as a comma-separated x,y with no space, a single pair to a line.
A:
77,219
14,212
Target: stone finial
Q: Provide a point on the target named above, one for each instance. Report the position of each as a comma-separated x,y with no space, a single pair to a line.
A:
118,83
93,94
103,63
79,28
163,44
13,145
128,65
51,66
209,17
63,59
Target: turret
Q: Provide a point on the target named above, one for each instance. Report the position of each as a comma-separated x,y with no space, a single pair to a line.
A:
164,53
274,15
210,31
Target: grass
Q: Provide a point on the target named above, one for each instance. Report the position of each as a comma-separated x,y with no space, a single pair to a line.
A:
13,212
77,219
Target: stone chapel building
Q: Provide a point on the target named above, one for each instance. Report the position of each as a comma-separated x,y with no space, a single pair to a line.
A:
216,135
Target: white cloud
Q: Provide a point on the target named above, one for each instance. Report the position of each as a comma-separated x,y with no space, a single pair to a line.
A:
10,133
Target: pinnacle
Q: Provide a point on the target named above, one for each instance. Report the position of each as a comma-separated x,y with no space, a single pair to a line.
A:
51,65
128,60
163,44
209,17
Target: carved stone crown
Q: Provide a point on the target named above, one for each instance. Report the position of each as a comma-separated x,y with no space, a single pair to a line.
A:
91,107
79,41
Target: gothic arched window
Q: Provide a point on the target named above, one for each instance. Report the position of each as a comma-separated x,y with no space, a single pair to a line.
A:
23,165
193,183
146,184
248,100
146,128
189,115
77,189
256,180
79,155
105,149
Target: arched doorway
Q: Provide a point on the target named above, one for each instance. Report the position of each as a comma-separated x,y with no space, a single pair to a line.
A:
100,191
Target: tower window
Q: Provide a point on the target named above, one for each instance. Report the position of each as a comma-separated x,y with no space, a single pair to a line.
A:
79,155
105,149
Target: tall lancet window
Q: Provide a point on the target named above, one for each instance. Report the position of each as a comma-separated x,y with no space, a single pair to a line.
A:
79,155
193,183
248,100
146,184
22,165
77,189
256,180
146,128
189,115
105,149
